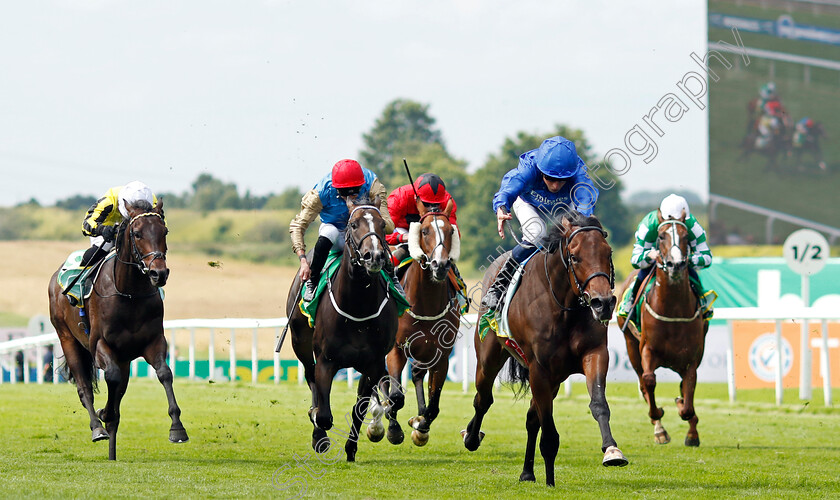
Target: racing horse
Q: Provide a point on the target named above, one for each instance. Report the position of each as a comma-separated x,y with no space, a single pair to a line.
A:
428,331
355,324
558,317
673,331
125,310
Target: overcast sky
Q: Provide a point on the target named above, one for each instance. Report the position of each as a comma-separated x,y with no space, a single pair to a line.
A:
270,94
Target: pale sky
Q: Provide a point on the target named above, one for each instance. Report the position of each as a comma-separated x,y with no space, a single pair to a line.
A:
270,94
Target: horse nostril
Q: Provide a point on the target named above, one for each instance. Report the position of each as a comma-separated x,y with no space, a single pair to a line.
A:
367,256
597,304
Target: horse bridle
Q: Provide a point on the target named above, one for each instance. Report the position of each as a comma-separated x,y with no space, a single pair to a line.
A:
674,238
584,299
356,255
426,256
138,260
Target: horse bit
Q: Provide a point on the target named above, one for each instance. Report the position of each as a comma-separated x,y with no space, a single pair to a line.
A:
584,299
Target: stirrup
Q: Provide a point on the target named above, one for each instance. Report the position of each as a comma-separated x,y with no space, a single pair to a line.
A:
309,290
491,300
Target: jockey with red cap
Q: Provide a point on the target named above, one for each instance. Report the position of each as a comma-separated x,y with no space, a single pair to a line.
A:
402,204
327,199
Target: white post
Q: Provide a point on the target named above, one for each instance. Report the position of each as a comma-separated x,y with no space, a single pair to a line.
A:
254,363
26,376
730,360
466,340
172,350
192,354
826,365
300,372
350,374
133,369
55,369
779,388
805,346
568,387
276,368
232,355
211,356
39,364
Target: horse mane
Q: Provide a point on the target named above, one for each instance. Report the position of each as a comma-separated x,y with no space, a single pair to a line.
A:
557,232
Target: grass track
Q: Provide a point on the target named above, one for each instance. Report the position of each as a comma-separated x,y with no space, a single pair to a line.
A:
242,435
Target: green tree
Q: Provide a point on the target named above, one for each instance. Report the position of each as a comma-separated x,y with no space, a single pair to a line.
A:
288,198
478,222
212,194
405,129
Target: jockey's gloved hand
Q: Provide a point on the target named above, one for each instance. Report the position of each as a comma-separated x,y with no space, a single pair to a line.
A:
108,233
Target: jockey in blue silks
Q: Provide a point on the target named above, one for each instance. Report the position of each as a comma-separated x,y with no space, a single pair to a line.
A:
550,181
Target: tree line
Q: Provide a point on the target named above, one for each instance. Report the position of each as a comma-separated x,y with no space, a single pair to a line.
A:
406,129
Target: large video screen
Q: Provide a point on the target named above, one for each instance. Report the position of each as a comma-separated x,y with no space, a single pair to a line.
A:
774,119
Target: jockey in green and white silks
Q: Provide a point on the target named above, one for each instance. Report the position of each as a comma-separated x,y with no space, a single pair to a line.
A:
645,251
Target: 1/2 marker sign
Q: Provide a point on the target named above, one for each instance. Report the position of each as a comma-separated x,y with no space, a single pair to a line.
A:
806,252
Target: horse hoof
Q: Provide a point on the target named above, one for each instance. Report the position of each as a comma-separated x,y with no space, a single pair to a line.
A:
375,432
662,437
472,444
527,476
99,434
418,423
320,441
178,436
419,438
614,458
692,441
395,436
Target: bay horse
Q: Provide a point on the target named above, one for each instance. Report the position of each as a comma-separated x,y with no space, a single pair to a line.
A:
673,331
558,317
125,310
355,324
428,331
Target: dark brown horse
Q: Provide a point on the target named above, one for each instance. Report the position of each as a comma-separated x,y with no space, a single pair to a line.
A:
428,331
126,322
673,331
558,317
355,324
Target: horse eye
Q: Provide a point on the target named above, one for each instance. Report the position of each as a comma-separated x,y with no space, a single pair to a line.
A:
137,235
425,231
573,258
353,225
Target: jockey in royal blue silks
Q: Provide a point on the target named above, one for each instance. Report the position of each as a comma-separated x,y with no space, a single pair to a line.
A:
327,199
549,181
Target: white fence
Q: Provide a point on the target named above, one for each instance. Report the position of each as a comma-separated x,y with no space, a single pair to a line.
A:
462,363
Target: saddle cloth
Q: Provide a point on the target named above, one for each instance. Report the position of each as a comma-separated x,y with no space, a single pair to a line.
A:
71,268
706,298
330,268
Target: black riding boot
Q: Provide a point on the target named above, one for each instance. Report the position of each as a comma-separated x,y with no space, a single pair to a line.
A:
319,258
391,269
91,256
497,289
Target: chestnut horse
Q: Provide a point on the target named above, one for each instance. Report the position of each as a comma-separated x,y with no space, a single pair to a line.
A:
559,319
126,321
428,332
673,332
355,324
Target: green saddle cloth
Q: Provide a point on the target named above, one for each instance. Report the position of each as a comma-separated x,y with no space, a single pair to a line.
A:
330,267
68,272
707,300
457,283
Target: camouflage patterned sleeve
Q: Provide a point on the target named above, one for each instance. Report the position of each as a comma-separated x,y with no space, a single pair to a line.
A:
376,188
310,207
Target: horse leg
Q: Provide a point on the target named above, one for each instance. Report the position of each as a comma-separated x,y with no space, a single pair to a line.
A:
532,425
423,422
322,414
395,361
360,409
155,355
491,357
595,364
542,393
80,362
116,376
685,405
660,435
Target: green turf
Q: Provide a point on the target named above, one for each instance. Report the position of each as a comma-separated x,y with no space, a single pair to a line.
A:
242,435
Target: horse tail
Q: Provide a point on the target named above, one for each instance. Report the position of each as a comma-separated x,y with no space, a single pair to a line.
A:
519,378
86,360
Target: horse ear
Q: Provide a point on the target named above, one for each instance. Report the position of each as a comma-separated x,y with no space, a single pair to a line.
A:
566,223
450,205
159,206
421,208
659,216
350,203
376,200
682,215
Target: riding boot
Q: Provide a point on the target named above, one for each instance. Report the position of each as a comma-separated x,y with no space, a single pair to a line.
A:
627,306
463,301
319,258
91,256
494,294
396,281
397,256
